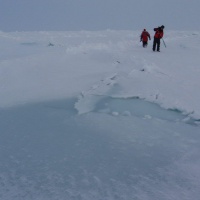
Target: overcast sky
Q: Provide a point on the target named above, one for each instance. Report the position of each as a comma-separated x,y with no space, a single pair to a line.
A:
70,15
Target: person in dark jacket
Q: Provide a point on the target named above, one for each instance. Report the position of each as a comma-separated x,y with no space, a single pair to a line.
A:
158,35
144,38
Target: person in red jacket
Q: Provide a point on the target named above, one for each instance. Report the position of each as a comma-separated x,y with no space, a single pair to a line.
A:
144,38
158,35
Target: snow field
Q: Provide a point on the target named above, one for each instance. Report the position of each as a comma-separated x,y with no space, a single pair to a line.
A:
93,115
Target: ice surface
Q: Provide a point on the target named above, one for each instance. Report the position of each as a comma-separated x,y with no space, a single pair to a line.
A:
50,152
96,116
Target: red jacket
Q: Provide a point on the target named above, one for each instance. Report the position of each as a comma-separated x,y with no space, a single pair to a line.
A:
144,36
158,33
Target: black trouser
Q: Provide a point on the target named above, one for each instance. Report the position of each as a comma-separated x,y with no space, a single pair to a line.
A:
144,43
156,42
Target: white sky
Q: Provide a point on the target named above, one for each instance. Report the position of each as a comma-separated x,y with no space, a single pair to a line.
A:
46,15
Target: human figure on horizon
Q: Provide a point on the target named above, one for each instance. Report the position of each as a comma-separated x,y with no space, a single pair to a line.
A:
144,38
158,35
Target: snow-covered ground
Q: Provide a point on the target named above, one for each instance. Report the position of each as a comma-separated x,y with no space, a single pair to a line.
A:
93,115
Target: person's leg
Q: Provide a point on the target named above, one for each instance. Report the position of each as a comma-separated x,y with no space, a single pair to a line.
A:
158,45
154,44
